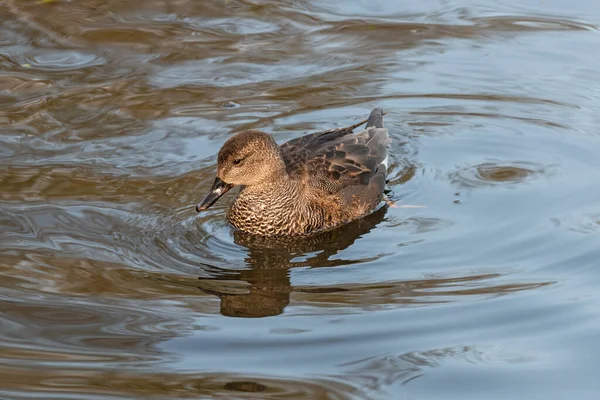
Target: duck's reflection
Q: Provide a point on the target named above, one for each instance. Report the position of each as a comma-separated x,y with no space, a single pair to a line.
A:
269,286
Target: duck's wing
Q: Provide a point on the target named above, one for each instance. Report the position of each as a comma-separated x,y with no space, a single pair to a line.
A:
335,159
296,151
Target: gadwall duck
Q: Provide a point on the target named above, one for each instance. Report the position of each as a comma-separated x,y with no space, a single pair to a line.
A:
307,185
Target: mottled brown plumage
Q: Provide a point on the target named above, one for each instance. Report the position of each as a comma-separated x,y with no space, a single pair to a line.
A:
307,185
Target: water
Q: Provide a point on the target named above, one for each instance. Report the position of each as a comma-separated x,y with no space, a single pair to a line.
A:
112,287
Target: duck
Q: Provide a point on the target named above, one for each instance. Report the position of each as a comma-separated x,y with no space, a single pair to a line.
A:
305,186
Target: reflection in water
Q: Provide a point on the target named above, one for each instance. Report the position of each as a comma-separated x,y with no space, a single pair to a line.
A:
270,259
264,288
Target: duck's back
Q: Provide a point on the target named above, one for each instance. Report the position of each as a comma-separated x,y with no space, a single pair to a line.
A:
346,171
338,156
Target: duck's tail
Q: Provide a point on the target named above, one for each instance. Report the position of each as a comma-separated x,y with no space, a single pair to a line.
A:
375,119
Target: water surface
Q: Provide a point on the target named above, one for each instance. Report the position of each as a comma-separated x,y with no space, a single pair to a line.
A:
113,287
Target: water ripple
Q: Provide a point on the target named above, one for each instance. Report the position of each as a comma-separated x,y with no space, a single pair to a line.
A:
112,286
496,174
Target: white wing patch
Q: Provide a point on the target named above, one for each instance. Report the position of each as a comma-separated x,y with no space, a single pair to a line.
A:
386,161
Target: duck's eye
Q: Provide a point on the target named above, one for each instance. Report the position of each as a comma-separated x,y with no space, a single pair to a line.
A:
237,161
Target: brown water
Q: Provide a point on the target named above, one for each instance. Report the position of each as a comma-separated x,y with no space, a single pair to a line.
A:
112,287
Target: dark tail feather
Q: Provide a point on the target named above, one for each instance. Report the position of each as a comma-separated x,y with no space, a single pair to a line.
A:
375,119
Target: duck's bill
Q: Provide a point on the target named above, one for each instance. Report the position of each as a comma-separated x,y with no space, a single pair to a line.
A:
218,189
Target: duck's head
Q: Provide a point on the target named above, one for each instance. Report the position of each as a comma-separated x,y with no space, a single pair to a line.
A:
248,158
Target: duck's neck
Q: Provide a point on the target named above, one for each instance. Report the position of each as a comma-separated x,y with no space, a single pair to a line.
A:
279,170
276,175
